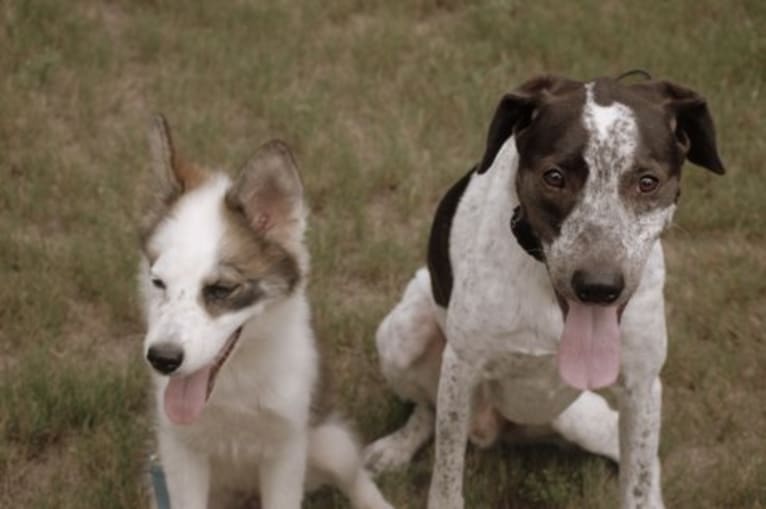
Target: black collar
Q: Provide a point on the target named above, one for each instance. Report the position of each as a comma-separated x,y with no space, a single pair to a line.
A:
525,236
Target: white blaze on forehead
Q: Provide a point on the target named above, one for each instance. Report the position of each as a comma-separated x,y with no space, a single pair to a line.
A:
187,240
609,153
605,226
612,136
187,243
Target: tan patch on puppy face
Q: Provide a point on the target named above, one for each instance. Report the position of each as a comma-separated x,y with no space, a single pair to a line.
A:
173,178
162,203
251,268
189,175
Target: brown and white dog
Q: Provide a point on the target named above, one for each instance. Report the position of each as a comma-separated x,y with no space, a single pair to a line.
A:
545,279
234,360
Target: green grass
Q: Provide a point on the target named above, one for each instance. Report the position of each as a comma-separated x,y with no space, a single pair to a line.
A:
385,104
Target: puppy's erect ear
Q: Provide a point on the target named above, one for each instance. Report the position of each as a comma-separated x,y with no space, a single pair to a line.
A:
692,121
174,176
516,110
269,192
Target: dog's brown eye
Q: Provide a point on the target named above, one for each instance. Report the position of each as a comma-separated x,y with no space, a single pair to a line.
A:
554,178
648,183
158,283
218,291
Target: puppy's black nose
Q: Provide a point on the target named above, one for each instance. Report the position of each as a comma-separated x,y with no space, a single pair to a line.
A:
165,357
597,287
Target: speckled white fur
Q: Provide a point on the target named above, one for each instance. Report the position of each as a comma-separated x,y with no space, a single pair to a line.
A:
503,327
602,228
254,432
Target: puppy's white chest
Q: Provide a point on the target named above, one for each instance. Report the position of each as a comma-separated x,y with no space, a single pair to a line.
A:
240,435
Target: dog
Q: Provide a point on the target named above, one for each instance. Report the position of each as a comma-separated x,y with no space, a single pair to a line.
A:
233,357
544,282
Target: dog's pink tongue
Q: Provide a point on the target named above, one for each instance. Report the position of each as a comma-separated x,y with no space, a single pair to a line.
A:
589,353
185,396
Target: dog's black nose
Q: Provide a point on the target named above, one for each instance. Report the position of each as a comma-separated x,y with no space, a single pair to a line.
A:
165,357
597,287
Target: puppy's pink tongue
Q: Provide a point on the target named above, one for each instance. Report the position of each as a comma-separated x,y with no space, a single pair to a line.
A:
589,352
185,396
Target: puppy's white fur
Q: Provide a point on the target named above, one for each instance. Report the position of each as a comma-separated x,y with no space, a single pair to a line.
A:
256,433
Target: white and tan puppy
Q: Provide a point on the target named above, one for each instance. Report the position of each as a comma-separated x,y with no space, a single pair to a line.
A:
234,360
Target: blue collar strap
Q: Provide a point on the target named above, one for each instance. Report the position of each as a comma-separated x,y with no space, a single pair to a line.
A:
159,485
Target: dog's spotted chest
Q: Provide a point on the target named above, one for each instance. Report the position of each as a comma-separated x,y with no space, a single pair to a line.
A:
525,320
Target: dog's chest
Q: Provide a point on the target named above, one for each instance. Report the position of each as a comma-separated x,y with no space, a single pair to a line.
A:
249,417
512,340
502,302
527,389
503,317
238,434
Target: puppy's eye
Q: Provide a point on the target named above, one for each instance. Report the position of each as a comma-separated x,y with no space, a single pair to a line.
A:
554,177
218,291
158,283
648,183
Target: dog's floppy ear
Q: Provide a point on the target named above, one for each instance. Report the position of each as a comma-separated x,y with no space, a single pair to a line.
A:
269,192
173,174
516,110
692,122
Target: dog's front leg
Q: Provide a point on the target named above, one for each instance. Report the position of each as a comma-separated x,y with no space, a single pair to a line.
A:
282,474
640,404
453,404
187,473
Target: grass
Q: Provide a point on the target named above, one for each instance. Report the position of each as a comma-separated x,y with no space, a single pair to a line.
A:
385,104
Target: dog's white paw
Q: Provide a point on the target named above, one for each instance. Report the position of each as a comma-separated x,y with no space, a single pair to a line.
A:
385,454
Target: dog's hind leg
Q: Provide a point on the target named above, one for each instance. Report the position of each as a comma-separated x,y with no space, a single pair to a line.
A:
590,423
334,453
410,345
486,422
397,449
